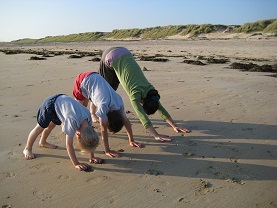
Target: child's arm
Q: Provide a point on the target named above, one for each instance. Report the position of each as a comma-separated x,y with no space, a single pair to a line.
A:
104,133
72,155
128,127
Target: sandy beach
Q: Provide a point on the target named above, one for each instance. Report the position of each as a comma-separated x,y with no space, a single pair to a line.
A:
228,160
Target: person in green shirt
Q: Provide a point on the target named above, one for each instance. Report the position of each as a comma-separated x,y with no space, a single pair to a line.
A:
118,65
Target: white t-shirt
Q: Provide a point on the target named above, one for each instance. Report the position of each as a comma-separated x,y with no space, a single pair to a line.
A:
95,88
71,113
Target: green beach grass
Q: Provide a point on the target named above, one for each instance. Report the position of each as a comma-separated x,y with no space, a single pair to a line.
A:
160,32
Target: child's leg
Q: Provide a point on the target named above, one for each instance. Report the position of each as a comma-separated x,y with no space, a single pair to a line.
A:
44,136
30,142
95,118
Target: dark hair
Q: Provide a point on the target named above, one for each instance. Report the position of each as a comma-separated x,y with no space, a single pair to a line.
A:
115,121
151,102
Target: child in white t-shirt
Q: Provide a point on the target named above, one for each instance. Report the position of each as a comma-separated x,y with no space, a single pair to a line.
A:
107,107
63,110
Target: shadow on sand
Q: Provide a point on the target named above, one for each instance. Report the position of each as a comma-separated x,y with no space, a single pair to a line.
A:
218,150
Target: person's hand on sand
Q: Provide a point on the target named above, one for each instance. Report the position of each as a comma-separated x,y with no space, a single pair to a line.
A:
112,153
135,144
95,160
28,154
82,166
179,129
163,138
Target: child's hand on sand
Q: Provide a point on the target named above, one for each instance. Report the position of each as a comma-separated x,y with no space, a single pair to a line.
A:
112,153
82,166
96,160
28,154
135,144
163,138
184,130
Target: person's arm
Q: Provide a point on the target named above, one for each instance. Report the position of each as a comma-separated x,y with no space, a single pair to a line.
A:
157,136
72,155
104,134
128,127
147,123
165,115
175,127
93,109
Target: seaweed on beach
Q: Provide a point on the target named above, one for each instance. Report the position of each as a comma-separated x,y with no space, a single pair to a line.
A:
153,58
217,61
273,75
37,58
194,62
95,59
47,53
76,56
254,67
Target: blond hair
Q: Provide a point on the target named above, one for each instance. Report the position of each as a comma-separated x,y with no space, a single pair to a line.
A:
89,139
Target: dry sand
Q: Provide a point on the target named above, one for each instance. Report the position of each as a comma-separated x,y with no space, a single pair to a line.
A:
228,160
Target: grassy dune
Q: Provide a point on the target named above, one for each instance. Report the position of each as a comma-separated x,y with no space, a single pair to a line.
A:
191,30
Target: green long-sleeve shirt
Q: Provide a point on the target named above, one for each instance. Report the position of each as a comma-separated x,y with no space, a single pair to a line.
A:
136,86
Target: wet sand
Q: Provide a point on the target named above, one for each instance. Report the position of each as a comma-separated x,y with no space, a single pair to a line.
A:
228,160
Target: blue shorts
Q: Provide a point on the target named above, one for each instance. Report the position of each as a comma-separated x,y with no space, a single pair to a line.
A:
47,113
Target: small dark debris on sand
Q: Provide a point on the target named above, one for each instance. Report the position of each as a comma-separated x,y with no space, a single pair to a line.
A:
48,55
76,56
188,154
212,60
236,180
217,61
144,69
204,184
37,58
153,58
194,62
95,59
154,172
273,75
160,59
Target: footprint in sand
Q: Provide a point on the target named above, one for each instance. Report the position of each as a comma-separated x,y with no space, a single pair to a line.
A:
64,177
98,179
10,174
201,188
154,172
6,206
37,166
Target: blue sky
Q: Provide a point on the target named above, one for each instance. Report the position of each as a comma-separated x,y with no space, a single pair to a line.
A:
40,18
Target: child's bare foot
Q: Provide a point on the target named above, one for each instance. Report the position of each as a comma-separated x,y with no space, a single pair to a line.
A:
48,145
28,154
